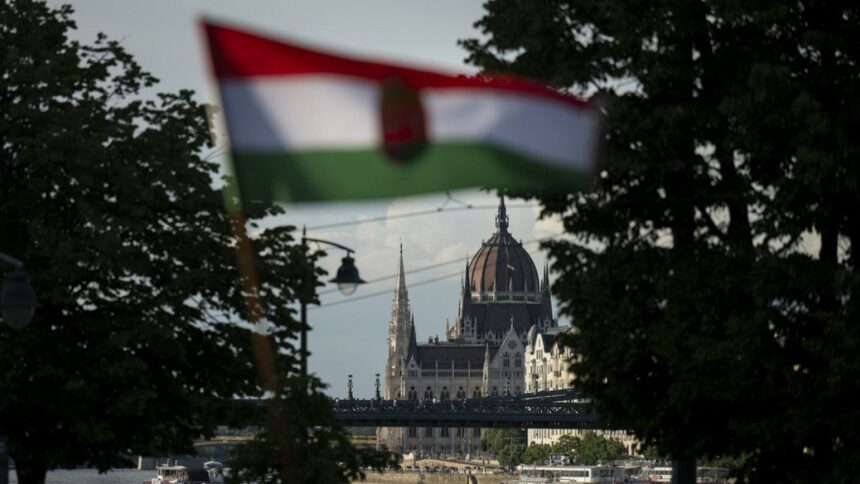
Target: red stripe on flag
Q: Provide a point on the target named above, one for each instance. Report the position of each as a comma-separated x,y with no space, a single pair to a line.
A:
239,54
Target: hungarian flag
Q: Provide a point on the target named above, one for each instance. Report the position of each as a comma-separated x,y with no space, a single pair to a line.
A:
310,125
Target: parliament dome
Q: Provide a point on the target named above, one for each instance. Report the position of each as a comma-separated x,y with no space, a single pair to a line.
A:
502,264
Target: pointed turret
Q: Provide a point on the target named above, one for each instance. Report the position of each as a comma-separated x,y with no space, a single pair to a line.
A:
401,296
545,283
465,297
502,217
413,341
467,284
401,330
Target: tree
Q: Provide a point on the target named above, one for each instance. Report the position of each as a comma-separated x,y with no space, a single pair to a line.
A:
507,445
537,454
592,448
566,444
704,323
511,455
119,218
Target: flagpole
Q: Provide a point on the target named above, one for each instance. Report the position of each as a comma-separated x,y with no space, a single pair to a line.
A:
262,344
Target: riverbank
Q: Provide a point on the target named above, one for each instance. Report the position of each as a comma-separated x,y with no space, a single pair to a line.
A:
433,478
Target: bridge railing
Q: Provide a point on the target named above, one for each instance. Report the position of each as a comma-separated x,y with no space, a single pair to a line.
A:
558,409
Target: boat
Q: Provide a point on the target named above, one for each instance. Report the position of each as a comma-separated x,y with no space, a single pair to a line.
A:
211,473
170,474
215,470
532,474
712,475
704,475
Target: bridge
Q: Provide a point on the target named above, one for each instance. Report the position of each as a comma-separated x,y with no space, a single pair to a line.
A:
558,409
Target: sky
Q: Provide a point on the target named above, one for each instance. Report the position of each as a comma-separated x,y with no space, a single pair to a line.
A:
348,335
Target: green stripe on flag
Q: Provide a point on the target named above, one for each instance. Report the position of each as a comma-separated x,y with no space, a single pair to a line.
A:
369,173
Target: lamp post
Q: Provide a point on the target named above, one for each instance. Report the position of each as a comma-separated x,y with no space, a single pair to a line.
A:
347,281
17,306
17,298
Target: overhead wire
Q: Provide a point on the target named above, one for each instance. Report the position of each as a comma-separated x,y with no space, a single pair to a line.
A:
442,209
415,284
381,293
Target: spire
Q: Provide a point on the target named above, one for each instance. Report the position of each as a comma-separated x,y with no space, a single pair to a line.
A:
545,285
467,283
502,217
413,342
401,297
401,332
401,277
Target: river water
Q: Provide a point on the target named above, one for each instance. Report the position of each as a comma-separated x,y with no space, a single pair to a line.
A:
92,476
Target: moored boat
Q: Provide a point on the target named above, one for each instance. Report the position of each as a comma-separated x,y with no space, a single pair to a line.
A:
212,473
704,475
531,474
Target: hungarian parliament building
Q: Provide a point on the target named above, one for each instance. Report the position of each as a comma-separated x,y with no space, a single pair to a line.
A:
503,341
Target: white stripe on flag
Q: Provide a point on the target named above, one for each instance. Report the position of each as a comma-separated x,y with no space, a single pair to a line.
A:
537,127
308,111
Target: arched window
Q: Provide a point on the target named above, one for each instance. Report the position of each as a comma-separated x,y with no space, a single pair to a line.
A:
476,393
506,361
461,394
428,394
413,393
518,360
518,391
444,395
495,392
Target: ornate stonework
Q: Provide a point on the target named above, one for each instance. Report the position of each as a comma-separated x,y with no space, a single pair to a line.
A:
482,354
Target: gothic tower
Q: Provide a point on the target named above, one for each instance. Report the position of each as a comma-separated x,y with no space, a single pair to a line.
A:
401,336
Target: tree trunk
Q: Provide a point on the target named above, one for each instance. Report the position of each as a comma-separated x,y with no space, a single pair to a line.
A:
684,471
30,475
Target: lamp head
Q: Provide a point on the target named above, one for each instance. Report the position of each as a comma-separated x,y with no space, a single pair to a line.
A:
347,276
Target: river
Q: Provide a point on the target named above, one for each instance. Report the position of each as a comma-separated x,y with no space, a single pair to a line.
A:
92,476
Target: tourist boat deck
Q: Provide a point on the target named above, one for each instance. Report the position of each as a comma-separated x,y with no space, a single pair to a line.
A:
569,473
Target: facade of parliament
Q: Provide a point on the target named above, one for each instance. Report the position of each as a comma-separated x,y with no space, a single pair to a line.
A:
504,304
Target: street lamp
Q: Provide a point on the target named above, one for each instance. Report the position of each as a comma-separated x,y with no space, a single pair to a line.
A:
17,299
347,281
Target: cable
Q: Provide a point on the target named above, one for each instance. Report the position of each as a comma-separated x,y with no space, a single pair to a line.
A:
438,264
380,293
383,218
416,284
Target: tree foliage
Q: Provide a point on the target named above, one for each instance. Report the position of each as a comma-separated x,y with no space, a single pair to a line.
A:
107,198
537,454
593,448
713,274
507,445
589,449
